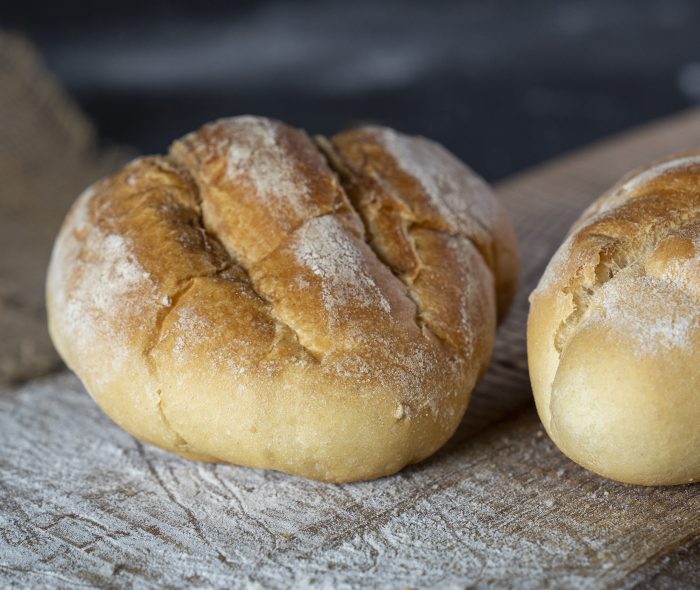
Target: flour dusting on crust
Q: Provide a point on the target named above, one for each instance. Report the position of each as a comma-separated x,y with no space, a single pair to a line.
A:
453,189
323,246
256,156
95,280
654,313
636,182
684,272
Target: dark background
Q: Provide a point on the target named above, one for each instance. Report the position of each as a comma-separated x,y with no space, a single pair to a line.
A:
503,84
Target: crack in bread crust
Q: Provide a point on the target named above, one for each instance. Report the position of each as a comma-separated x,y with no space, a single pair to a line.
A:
412,263
616,254
346,205
153,366
348,182
209,236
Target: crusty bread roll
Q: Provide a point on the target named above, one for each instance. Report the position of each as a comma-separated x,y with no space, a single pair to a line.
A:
614,330
319,307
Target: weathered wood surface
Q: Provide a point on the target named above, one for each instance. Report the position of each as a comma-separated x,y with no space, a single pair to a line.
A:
84,504
48,154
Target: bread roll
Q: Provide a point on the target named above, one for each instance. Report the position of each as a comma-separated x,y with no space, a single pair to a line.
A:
614,330
319,307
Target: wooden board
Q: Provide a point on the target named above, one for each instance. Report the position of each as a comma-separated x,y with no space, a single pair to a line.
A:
82,504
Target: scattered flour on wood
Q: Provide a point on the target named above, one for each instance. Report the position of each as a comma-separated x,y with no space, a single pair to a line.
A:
83,504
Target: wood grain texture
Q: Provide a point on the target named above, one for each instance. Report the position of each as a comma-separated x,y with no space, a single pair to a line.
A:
48,154
83,504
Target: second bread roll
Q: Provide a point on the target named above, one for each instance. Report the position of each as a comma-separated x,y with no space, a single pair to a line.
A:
614,330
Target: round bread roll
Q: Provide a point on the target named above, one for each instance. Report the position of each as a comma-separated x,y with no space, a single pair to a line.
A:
319,307
614,331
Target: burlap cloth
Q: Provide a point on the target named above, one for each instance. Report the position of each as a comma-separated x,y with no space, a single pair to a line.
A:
48,154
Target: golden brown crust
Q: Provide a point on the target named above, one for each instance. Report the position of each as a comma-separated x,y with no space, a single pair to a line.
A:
403,184
228,302
614,330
